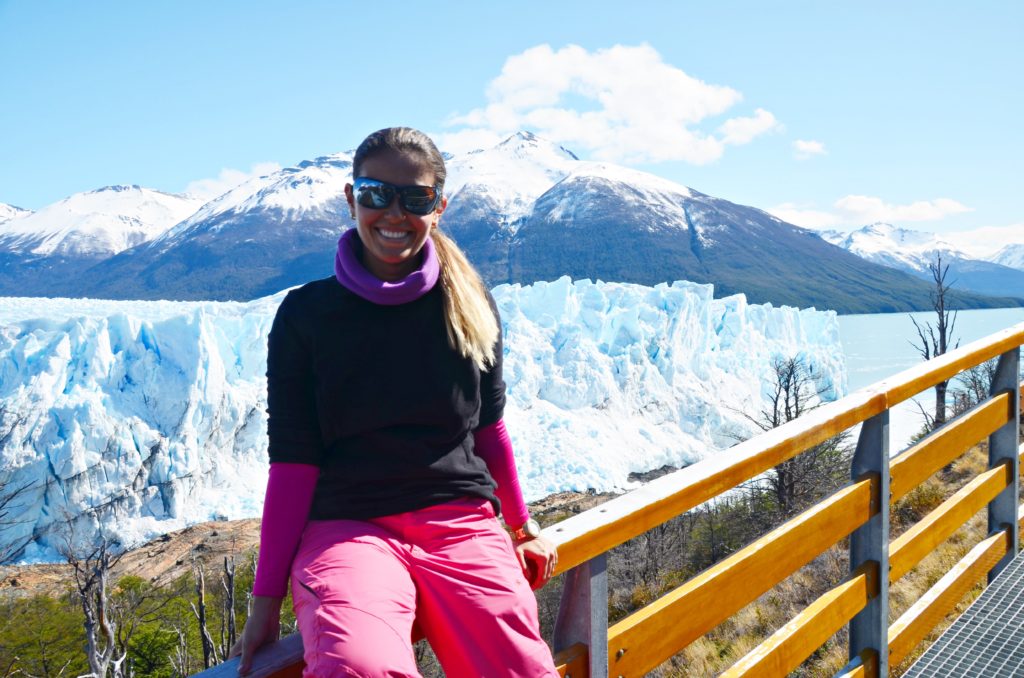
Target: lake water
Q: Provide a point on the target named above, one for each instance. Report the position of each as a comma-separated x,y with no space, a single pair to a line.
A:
880,345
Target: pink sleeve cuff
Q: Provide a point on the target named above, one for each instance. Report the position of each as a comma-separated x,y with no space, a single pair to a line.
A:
494,446
289,496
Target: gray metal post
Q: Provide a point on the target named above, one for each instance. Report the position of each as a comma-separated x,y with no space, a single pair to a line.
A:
1002,446
870,542
583,613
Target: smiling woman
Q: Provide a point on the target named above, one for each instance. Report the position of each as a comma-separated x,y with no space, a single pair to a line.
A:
392,234
389,456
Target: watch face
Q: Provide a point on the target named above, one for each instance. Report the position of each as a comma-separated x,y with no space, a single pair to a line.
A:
531,528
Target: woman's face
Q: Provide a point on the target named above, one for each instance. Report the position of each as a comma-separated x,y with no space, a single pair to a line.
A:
392,238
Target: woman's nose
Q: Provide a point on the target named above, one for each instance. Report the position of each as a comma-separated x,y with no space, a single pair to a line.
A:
394,211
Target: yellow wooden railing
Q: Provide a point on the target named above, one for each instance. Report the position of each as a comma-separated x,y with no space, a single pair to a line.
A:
587,647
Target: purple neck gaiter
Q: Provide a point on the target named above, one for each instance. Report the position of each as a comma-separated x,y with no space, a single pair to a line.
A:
351,273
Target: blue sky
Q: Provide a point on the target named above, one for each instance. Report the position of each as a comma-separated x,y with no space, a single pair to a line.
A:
832,114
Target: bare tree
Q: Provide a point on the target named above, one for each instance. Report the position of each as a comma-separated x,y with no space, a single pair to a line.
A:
134,603
972,386
199,609
180,660
935,340
92,585
228,632
793,392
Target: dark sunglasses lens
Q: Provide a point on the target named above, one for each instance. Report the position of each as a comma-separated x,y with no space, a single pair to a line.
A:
375,196
419,199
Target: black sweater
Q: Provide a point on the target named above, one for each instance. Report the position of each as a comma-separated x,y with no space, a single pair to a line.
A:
376,398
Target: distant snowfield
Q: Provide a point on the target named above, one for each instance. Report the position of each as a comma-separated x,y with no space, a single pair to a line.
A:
148,416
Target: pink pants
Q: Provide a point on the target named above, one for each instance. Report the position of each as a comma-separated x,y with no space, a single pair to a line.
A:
359,585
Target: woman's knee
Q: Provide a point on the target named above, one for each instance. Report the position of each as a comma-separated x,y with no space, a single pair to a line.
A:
345,641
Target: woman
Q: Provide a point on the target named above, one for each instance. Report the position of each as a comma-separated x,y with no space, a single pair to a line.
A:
388,452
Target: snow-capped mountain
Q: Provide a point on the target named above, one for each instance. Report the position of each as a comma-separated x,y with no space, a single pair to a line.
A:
603,221
96,224
905,249
491,192
1011,255
8,212
45,253
525,210
269,233
510,176
915,251
309,191
147,416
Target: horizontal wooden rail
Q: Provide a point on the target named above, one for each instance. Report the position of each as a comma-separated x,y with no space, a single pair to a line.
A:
919,462
910,382
282,659
581,537
797,640
912,546
572,663
651,635
864,666
924,615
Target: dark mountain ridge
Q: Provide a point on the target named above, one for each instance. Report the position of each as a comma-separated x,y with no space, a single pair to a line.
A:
524,211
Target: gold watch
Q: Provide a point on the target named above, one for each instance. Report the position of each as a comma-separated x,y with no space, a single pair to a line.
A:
528,530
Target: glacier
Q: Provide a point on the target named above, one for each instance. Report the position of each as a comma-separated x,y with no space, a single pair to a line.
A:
142,417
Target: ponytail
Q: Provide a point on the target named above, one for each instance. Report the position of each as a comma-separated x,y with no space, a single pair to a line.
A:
472,326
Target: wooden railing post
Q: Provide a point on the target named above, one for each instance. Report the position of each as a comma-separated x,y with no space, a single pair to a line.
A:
869,629
1002,447
583,613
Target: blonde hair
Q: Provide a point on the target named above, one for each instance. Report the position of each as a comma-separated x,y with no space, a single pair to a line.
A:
471,323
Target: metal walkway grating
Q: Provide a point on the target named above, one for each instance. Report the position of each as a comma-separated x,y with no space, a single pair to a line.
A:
987,641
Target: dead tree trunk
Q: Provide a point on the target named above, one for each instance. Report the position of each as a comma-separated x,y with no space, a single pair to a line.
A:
92,575
199,609
228,634
936,340
180,658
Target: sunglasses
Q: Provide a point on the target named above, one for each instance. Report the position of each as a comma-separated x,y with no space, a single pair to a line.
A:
377,195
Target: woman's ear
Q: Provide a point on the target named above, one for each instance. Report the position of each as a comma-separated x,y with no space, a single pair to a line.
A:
351,200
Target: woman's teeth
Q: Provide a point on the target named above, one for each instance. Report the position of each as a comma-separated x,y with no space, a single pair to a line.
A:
393,235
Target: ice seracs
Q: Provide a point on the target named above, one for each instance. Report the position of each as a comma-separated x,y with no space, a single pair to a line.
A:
146,416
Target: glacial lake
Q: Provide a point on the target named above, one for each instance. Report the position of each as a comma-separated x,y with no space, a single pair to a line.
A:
880,345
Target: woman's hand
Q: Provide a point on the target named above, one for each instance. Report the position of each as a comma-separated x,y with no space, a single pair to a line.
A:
538,558
263,626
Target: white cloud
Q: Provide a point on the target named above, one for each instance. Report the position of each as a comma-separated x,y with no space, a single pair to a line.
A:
806,148
802,215
228,179
987,240
623,104
859,210
466,140
743,130
867,209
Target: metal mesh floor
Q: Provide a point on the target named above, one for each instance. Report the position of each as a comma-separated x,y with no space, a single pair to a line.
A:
987,641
